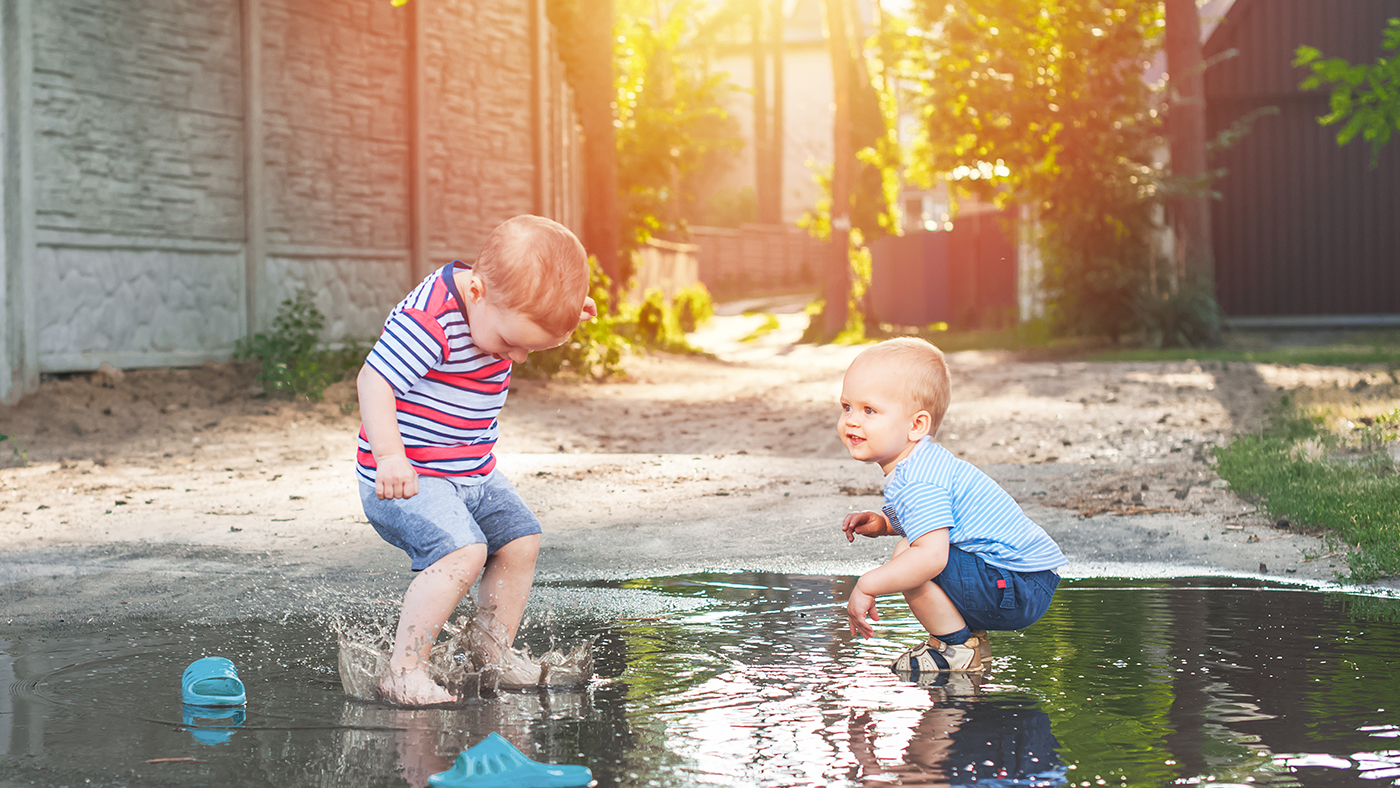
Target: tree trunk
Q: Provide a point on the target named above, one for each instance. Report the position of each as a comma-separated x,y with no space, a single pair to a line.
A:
1186,127
601,226
837,287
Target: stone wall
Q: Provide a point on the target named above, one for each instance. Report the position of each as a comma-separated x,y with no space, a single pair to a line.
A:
182,181
138,199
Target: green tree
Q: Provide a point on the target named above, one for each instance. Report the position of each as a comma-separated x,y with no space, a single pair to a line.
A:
1365,96
672,127
1042,103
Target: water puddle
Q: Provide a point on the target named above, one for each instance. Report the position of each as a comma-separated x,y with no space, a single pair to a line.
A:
751,679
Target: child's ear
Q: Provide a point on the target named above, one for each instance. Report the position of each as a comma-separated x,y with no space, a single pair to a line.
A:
921,425
476,289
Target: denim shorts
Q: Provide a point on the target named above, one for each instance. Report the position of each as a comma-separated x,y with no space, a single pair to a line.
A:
993,598
446,516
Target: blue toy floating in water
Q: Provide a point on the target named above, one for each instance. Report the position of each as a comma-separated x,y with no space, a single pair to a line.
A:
496,762
212,681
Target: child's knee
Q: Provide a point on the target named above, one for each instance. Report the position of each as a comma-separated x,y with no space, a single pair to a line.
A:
463,560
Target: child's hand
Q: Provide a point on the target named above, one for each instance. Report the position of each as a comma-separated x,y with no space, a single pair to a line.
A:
870,524
858,607
590,309
394,477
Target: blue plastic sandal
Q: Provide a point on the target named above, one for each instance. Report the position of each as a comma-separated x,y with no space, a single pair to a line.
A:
496,763
212,681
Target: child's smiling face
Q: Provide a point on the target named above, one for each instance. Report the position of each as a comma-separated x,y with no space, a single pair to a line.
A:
878,423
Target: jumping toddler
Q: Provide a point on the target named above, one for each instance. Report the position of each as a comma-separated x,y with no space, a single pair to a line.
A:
430,392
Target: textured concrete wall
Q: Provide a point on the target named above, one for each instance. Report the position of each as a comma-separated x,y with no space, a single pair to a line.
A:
138,181
137,109
336,158
109,298
169,192
335,90
479,155
354,291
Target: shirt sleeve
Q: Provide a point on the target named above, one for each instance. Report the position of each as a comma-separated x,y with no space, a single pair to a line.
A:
920,508
411,345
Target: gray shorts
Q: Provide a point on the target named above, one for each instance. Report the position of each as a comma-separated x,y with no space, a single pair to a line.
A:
446,516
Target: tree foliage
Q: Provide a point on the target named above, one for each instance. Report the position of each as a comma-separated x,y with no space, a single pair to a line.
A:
1365,97
1043,103
672,126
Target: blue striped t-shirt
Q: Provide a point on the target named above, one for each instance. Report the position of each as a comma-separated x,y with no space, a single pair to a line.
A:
448,390
932,489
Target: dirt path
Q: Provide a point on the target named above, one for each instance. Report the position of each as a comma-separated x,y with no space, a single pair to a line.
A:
181,490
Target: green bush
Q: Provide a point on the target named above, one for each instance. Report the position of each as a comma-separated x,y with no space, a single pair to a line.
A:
1189,317
694,306
595,347
293,363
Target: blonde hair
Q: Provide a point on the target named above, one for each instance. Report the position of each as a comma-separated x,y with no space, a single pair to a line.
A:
537,267
919,369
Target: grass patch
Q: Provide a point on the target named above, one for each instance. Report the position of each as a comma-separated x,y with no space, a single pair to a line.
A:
1371,349
769,325
1033,336
1314,466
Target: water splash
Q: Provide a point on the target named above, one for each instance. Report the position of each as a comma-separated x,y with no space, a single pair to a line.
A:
470,659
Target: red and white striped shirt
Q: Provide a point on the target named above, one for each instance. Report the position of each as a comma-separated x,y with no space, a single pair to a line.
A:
448,390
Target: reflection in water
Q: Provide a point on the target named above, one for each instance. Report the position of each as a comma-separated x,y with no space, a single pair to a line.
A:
753,680
212,725
961,738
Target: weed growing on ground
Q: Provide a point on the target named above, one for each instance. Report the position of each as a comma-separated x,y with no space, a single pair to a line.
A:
18,457
293,360
1306,472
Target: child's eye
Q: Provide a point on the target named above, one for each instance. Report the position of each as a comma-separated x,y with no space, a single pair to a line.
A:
869,410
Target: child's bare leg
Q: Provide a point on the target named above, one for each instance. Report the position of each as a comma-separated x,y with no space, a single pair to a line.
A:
932,607
506,581
430,599
505,589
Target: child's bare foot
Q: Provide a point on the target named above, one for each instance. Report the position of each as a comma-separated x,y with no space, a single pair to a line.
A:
412,688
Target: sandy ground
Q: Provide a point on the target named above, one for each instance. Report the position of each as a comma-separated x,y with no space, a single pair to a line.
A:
183,492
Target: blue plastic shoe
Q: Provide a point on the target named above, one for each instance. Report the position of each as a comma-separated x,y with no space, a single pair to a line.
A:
496,763
218,723
212,681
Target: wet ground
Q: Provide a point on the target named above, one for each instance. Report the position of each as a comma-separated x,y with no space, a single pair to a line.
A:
751,679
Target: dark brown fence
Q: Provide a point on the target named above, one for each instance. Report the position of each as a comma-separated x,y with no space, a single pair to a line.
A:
1303,227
